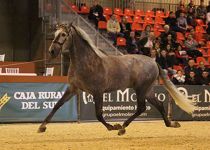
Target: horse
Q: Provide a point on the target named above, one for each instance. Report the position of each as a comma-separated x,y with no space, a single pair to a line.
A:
96,72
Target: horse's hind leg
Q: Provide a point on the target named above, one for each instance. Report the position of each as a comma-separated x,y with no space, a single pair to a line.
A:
159,106
141,107
70,92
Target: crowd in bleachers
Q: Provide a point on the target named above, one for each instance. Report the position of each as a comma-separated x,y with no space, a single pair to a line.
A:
178,41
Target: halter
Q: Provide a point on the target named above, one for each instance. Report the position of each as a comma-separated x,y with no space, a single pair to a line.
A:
67,35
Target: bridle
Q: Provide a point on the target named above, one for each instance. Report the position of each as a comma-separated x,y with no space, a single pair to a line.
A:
67,31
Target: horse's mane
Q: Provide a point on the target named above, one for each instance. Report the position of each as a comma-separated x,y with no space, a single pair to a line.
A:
86,38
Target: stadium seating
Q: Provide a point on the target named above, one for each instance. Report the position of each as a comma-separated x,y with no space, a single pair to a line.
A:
107,11
121,41
102,25
84,10
128,12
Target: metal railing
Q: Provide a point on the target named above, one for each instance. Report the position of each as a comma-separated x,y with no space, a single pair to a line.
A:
54,14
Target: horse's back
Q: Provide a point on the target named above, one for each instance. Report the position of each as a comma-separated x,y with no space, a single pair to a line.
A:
128,70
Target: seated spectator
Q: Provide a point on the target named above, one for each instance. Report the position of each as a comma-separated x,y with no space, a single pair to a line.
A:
191,46
191,16
164,35
169,41
131,44
208,19
182,25
204,79
190,67
96,13
201,11
157,47
164,61
181,55
201,68
125,27
146,32
192,79
113,28
171,55
153,54
146,44
181,8
171,21
178,78
192,6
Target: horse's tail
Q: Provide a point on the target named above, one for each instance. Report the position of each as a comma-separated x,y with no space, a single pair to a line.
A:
182,101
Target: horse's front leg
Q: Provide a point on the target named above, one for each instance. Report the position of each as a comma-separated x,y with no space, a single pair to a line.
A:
69,93
98,98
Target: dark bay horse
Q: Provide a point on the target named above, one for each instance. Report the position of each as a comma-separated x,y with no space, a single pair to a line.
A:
95,72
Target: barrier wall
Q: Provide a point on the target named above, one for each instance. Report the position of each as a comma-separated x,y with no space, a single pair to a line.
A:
32,102
120,105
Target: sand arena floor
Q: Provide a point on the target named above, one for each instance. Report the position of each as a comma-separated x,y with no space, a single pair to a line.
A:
93,136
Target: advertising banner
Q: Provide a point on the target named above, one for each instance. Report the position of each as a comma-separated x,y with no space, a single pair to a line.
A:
32,102
120,105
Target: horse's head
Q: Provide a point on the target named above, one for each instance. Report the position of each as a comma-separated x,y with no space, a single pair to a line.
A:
61,34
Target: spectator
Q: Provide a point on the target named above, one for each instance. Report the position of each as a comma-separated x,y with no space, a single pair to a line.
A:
131,44
181,8
182,23
169,41
191,46
201,68
153,54
165,34
157,47
171,21
190,67
178,78
125,27
181,55
191,16
201,10
205,80
192,79
171,55
208,19
96,13
164,61
146,44
191,5
113,28
146,32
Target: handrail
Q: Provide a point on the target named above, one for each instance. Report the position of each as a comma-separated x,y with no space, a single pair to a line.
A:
117,52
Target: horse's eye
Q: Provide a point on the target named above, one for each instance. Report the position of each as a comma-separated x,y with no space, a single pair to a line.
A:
63,34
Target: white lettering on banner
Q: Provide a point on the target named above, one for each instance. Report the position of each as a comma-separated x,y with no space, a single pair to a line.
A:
194,97
161,97
50,95
123,96
24,95
207,96
49,105
41,95
107,97
30,105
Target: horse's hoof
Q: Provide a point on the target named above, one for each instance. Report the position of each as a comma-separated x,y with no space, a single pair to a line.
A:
175,124
117,126
121,132
41,129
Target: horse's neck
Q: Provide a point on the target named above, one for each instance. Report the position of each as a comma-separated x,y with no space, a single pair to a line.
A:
82,55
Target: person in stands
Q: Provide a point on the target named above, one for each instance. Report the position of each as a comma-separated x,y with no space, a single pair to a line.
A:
190,67
192,79
131,44
96,13
113,28
201,11
125,27
205,79
178,78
